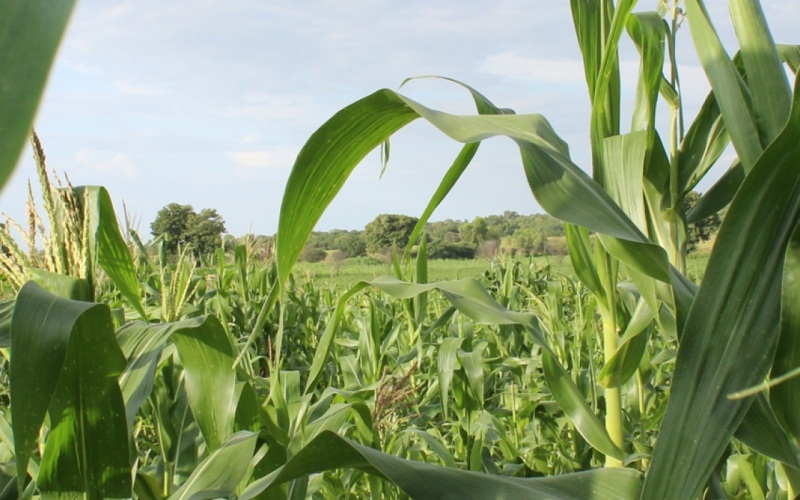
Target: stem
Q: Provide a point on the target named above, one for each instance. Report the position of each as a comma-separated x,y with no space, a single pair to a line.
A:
612,394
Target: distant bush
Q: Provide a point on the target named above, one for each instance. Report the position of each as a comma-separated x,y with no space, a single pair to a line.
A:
458,250
312,254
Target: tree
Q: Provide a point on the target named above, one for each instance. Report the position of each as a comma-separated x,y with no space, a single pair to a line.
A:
179,225
387,231
204,231
171,224
350,242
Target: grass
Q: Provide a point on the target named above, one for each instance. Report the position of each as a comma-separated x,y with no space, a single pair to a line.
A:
351,271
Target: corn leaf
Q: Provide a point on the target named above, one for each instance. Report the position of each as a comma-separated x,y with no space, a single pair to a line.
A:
142,344
208,357
448,363
559,186
784,396
107,246
766,78
62,285
762,431
421,480
647,30
736,308
30,32
704,143
221,472
66,362
472,300
731,94
314,181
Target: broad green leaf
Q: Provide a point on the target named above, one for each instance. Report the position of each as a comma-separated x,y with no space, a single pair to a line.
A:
625,361
587,17
326,340
107,246
766,78
62,285
790,54
647,30
560,186
784,396
469,297
704,143
313,183
448,364
581,257
626,186
66,362
30,32
208,358
218,475
761,431
141,344
605,119
484,107
719,195
421,480
571,400
732,330
472,362
732,96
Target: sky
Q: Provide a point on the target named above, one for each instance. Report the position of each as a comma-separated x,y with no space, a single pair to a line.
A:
208,102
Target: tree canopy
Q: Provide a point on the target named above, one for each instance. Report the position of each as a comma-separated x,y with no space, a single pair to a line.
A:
180,225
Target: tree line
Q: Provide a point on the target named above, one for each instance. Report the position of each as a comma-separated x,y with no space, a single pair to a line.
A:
510,234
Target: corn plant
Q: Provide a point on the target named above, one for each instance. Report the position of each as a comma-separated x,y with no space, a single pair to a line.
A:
729,327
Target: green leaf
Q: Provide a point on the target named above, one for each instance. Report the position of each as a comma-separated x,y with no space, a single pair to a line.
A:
142,343
30,32
626,359
62,285
790,54
218,475
766,78
626,187
208,358
314,183
761,431
472,300
732,330
732,96
108,248
421,480
448,364
571,400
560,186
473,368
66,362
784,396
704,143
647,30
719,195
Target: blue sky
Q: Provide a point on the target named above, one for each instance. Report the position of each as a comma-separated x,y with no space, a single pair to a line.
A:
208,102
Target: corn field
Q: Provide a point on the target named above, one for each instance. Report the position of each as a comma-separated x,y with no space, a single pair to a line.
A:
126,373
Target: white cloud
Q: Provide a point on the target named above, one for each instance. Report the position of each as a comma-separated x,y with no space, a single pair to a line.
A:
117,164
250,138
